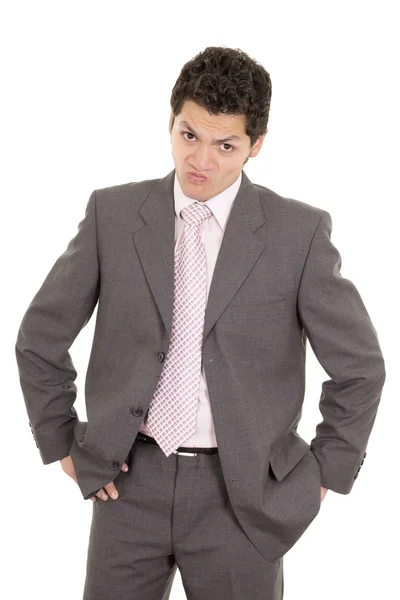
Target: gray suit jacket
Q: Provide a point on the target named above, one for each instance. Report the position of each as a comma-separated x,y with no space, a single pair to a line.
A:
276,283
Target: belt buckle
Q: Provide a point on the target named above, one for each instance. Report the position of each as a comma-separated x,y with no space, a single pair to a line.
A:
185,453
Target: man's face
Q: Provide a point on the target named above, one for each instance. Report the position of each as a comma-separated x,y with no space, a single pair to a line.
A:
196,147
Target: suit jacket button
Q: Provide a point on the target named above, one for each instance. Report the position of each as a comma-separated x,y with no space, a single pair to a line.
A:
137,411
113,464
161,356
356,475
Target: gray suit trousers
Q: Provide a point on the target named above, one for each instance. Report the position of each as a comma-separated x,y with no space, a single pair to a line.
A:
174,512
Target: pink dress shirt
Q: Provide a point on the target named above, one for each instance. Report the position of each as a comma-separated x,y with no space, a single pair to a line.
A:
211,232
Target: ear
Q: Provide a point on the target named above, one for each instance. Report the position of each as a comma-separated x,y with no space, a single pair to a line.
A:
171,122
257,146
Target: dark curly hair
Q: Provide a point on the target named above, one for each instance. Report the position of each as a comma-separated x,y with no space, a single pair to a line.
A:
226,80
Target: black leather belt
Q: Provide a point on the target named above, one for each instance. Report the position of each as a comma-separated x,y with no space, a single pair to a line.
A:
142,437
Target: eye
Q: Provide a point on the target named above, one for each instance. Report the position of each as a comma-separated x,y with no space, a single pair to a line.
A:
225,144
187,133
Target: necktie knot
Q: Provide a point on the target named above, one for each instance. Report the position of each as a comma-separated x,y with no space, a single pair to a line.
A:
195,213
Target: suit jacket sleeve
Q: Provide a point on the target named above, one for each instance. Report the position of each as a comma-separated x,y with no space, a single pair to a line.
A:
345,343
59,310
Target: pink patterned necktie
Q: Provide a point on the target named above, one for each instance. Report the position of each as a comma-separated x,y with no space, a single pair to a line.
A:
172,411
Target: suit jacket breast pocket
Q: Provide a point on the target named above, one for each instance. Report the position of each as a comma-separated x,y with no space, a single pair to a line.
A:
252,310
250,315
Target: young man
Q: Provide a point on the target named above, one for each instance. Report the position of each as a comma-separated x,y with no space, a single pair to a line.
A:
208,287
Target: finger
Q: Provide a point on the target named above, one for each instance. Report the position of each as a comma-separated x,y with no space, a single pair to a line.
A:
124,467
93,498
102,494
111,490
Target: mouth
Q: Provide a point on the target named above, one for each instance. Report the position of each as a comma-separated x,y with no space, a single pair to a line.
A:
197,178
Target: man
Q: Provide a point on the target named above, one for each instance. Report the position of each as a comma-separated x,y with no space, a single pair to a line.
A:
208,287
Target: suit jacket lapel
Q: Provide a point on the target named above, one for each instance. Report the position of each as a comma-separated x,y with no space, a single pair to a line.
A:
240,248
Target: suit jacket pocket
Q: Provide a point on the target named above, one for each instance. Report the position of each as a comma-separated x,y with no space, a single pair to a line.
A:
289,452
292,494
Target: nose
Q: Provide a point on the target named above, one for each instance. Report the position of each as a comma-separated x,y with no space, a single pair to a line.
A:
202,160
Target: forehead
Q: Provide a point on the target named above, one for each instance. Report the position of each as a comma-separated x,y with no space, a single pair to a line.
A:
198,119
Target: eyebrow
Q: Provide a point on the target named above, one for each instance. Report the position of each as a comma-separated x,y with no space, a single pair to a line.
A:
220,141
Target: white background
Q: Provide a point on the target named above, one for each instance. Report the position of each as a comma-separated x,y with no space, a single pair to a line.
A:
85,104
